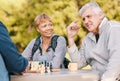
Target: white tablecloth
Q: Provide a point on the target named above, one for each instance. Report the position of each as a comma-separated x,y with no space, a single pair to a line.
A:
63,75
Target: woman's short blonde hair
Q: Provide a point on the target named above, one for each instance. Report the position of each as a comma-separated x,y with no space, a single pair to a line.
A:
41,19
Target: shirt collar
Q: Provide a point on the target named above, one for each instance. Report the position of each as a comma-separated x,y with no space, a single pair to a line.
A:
102,27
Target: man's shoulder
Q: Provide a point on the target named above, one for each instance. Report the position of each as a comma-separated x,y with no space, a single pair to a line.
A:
114,24
31,43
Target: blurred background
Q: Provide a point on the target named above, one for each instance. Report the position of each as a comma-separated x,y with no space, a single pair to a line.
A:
19,15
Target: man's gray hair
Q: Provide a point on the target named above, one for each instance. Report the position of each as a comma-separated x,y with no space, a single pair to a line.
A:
94,5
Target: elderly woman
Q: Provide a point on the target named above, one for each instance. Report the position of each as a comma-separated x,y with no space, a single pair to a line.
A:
48,46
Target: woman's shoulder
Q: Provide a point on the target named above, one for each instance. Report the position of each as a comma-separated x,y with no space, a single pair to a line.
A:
60,37
32,41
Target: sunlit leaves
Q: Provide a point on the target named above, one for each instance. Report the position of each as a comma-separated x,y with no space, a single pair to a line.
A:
19,15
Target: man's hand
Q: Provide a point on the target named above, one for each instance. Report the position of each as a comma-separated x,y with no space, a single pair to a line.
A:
28,67
25,71
72,30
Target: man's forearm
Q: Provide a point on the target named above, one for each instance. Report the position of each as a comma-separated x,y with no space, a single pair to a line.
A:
70,42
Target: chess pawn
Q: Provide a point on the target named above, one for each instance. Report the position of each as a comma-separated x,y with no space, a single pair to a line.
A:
48,67
51,67
39,68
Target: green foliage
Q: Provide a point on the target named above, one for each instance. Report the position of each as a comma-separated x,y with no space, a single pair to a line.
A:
19,15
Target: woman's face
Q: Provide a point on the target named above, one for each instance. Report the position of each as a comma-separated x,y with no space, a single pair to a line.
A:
46,29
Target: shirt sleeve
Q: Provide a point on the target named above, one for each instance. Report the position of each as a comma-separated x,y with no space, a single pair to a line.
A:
113,67
77,55
13,60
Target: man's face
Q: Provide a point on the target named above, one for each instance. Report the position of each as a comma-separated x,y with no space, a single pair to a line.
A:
91,20
46,29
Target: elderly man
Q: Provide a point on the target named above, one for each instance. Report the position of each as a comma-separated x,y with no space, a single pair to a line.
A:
10,60
101,47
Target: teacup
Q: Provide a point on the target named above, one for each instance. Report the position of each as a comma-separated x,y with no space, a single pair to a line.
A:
73,66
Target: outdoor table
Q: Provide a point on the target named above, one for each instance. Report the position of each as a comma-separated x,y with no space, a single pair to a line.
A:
63,75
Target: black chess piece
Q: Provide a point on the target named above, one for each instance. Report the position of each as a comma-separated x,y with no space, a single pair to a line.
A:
51,67
46,67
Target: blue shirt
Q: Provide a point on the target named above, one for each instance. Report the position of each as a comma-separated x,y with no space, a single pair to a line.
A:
13,60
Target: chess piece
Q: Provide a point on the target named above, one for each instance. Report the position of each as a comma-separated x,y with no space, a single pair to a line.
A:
46,67
51,67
